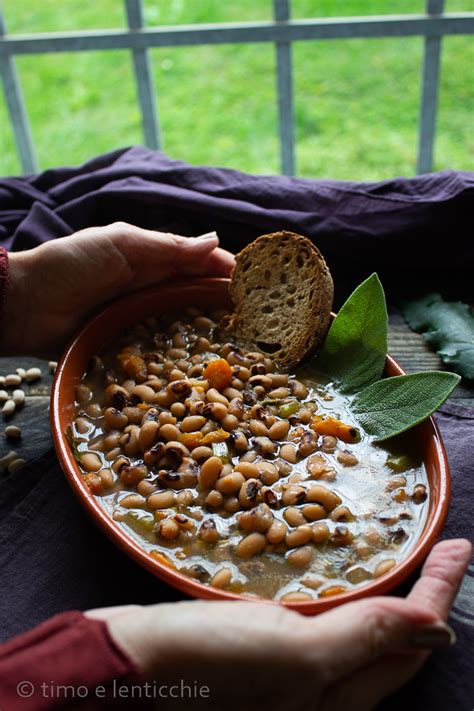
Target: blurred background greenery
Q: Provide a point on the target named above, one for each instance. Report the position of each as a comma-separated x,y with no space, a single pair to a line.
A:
356,101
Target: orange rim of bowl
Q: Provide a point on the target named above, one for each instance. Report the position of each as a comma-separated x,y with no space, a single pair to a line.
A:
433,525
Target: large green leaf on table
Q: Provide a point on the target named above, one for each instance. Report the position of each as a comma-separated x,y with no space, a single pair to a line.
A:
448,327
356,345
393,405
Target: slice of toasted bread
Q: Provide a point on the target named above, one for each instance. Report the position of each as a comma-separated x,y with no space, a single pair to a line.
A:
283,291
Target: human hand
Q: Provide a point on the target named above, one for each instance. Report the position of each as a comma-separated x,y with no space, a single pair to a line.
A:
55,286
258,656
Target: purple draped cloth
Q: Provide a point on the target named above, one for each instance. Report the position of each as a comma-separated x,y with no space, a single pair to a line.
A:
51,556
408,230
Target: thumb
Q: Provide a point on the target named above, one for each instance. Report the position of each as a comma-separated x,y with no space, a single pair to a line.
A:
358,634
153,256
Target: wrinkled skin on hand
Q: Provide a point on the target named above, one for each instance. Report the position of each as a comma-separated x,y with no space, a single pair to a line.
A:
263,657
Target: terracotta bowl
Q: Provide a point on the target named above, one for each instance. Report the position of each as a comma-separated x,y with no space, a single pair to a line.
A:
102,329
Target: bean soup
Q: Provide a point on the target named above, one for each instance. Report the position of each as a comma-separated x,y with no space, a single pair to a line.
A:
236,474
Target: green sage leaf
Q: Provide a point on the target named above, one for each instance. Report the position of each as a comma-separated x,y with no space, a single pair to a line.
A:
355,349
448,327
393,405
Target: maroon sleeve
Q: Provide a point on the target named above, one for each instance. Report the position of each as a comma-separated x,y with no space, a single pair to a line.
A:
3,279
69,650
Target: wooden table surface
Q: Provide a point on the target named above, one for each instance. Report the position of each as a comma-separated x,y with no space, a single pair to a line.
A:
408,348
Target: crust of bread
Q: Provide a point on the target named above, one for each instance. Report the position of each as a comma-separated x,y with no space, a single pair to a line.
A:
282,291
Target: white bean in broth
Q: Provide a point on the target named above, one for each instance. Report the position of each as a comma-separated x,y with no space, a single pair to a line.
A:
238,475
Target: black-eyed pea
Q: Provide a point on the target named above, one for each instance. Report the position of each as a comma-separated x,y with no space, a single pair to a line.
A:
131,475
341,513
146,488
214,499
185,498
293,516
384,567
321,533
107,478
304,416
203,323
114,419
249,492
193,423
357,574
230,484
301,557
249,456
362,548
90,461
296,596
251,545
240,441
419,494
372,536
236,407
313,583
246,520
132,501
279,380
112,455
342,536
161,500
201,454
320,495
167,529
308,444
248,470
388,518
209,472
208,531
142,393
222,578
328,444
82,392
347,459
299,536
232,394
213,395
170,432
184,522
268,473
293,495
314,512
111,440
395,482
229,423
178,409
257,428
277,532
279,393
231,504
333,590
263,518
148,434
297,389
279,430
288,453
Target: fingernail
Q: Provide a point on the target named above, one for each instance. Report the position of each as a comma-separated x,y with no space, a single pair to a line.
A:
435,636
207,235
